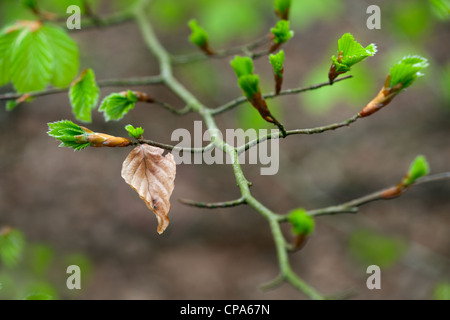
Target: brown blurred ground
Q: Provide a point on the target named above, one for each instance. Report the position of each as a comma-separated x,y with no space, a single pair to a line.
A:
77,202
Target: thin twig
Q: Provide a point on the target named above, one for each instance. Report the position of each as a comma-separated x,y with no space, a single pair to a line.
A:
278,134
213,205
172,109
241,100
100,83
172,148
353,205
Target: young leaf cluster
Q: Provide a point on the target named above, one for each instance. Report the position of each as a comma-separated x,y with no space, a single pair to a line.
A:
66,131
33,54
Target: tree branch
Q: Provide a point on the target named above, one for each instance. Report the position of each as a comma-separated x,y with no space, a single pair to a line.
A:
241,100
100,83
353,205
171,82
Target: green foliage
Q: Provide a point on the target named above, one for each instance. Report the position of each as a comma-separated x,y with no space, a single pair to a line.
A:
351,52
11,105
282,6
7,40
302,223
277,60
65,56
369,248
242,66
117,105
12,243
66,131
249,85
38,296
32,55
281,32
198,36
419,168
442,291
413,21
134,132
407,70
441,8
32,4
84,94
41,257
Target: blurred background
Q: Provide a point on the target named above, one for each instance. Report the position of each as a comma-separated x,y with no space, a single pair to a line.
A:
74,208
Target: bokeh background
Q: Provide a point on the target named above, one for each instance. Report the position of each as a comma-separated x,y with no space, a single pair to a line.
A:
74,208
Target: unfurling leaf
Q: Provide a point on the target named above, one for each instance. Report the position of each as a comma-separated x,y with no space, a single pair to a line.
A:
419,168
134,132
249,84
282,8
84,94
277,61
302,223
281,34
350,52
199,37
242,66
66,131
77,137
302,226
12,243
117,105
12,104
401,76
407,70
152,176
38,296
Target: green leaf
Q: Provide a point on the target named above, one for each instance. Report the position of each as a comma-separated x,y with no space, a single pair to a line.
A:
66,131
117,105
198,36
370,248
407,70
242,66
32,4
7,43
418,168
302,223
281,32
38,296
277,60
134,132
65,56
84,94
31,61
282,7
351,52
12,243
442,291
249,85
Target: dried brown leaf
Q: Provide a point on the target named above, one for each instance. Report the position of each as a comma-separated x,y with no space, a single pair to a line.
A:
152,176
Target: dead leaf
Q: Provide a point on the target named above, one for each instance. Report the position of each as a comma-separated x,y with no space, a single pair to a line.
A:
152,176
